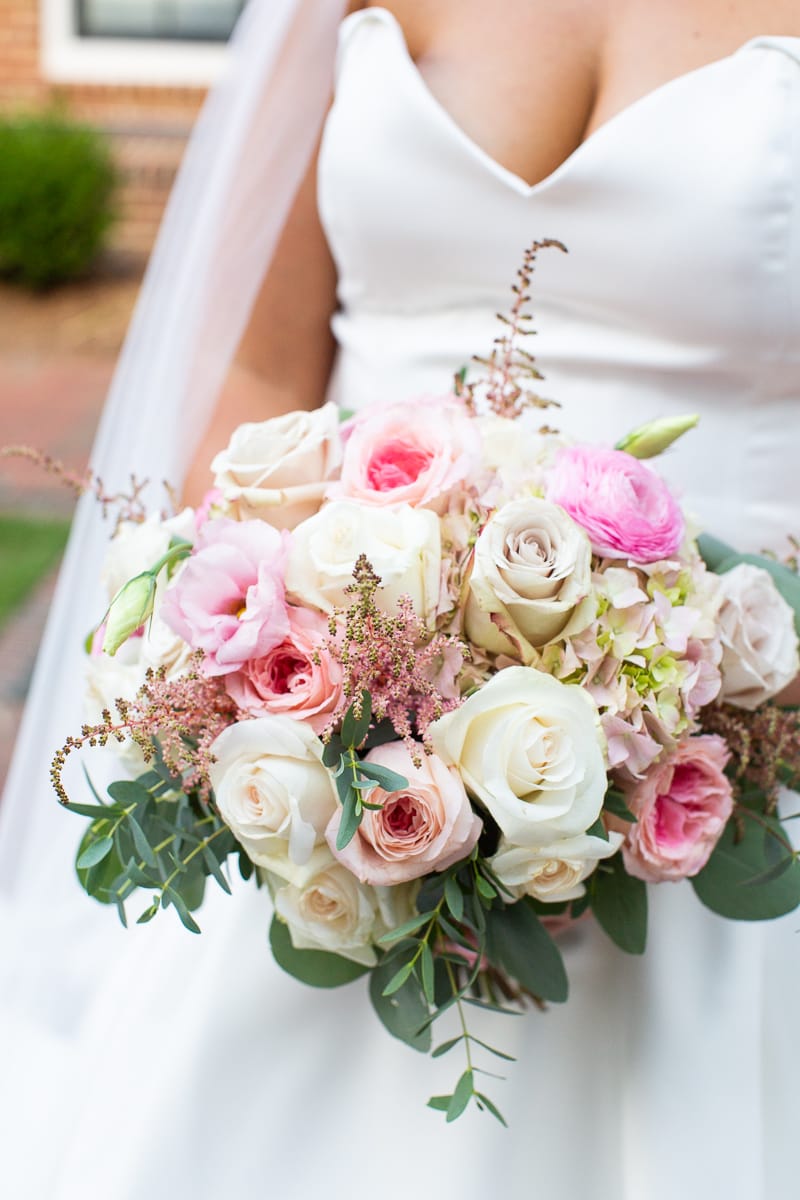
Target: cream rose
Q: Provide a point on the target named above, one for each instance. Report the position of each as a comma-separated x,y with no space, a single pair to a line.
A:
274,792
517,455
403,545
426,827
278,470
759,641
331,911
531,580
531,750
552,873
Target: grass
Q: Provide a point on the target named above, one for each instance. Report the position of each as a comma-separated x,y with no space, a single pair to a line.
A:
29,547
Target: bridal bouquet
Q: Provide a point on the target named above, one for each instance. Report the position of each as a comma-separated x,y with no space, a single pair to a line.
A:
443,681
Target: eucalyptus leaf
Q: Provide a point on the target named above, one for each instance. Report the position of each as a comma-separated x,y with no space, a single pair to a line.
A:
97,812
426,972
389,781
445,1047
619,901
493,1109
318,968
128,791
598,830
440,1103
141,843
405,1011
403,930
521,946
94,853
461,1096
736,862
355,728
454,897
351,819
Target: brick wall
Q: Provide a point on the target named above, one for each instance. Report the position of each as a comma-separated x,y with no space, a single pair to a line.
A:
147,126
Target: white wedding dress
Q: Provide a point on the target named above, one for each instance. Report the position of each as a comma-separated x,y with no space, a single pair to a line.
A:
154,1063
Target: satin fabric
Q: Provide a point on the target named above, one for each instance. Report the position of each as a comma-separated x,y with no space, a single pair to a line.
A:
193,1067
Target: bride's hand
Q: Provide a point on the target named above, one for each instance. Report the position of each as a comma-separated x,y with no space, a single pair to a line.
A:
285,357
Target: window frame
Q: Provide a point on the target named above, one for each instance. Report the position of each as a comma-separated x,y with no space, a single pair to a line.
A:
67,56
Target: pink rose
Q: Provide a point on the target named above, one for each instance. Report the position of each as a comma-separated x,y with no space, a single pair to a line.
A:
626,509
298,677
416,453
682,805
426,828
228,600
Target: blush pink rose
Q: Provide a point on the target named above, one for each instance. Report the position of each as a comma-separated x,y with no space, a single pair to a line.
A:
682,806
416,453
425,828
626,509
229,599
298,677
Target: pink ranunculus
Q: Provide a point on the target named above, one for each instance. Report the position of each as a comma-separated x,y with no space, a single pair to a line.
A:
416,453
298,677
626,509
682,805
427,827
229,600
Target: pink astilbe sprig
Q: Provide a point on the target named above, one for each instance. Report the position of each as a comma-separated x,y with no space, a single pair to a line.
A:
127,505
181,717
510,369
409,673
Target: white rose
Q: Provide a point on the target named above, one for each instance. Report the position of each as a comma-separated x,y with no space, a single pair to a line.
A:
162,647
274,792
403,545
278,470
332,911
531,580
531,750
552,873
137,545
759,642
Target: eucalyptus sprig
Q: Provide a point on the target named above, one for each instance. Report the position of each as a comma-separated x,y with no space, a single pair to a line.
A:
355,778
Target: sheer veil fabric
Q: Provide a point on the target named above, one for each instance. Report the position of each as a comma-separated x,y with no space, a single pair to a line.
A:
245,160
151,1062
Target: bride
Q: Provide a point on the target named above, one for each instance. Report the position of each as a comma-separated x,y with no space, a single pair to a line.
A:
660,145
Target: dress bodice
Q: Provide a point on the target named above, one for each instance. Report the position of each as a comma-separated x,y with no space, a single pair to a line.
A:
680,291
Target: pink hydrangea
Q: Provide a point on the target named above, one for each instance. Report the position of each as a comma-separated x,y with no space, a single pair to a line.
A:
416,453
626,509
682,806
229,600
299,677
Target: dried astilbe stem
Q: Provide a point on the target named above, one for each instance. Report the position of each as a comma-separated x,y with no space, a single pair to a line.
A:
127,505
764,746
510,368
181,717
408,671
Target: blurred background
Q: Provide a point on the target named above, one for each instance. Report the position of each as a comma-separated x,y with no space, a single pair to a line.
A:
97,99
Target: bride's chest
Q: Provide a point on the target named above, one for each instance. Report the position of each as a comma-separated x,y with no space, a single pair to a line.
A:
682,209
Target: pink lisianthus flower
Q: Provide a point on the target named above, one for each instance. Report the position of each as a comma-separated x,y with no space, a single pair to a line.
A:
418,453
426,827
229,600
626,509
682,805
298,677
212,499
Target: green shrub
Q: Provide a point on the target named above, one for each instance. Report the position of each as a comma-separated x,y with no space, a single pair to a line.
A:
56,185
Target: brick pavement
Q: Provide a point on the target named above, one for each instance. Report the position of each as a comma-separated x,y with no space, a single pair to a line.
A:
56,359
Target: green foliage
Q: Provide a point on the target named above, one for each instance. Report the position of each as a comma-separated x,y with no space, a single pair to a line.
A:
56,188
152,836
354,778
753,874
315,967
522,947
29,546
619,901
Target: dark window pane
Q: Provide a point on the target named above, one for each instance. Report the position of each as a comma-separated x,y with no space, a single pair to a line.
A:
208,20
